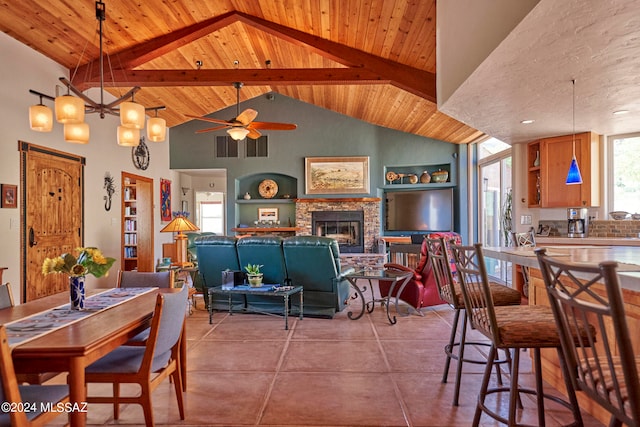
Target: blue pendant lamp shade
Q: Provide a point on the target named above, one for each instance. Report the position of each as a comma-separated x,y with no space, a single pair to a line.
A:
574,176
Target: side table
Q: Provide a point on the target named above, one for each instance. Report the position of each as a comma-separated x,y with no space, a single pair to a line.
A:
399,279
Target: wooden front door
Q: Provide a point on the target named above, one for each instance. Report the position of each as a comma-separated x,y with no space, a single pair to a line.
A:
52,185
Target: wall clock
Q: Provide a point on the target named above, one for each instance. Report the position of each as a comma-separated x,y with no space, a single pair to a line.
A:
140,155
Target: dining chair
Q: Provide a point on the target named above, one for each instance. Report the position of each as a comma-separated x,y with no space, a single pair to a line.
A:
511,328
137,279
604,366
146,366
6,299
37,397
450,291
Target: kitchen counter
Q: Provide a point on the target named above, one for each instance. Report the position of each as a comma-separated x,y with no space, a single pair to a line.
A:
600,241
628,258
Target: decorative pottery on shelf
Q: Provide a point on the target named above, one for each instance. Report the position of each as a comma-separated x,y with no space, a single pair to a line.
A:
391,176
268,188
413,178
425,178
76,292
247,196
255,280
439,176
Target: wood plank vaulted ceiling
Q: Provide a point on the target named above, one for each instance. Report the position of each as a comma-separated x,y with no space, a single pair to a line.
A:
374,60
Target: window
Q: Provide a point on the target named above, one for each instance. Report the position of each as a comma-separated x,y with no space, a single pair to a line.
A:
624,173
494,171
210,215
257,147
226,146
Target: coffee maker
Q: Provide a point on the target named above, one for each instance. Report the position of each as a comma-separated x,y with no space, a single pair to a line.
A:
578,222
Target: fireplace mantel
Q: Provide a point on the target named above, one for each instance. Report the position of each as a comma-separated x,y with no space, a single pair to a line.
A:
340,200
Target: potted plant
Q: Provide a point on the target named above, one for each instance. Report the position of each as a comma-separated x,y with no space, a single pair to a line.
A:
254,276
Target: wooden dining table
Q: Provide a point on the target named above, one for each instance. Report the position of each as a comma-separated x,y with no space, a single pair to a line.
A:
73,347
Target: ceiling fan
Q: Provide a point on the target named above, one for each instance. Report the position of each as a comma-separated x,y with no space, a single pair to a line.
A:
243,125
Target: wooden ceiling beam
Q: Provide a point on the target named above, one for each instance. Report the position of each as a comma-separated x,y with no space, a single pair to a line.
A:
418,82
249,77
142,53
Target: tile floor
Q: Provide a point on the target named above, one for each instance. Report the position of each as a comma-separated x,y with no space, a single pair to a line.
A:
245,369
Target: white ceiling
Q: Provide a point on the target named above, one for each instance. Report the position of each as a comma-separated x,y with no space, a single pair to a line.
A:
528,75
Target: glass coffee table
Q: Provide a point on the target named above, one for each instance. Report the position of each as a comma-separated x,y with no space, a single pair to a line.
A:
399,279
283,292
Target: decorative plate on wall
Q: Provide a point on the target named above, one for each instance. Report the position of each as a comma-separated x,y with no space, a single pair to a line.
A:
268,188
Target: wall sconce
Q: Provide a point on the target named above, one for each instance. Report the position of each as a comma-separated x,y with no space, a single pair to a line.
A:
185,190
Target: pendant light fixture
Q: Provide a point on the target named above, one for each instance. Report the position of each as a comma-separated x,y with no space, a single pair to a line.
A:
70,110
574,176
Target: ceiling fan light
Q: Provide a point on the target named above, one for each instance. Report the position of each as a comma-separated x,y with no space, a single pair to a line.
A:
132,115
77,133
69,109
156,129
128,137
40,118
238,133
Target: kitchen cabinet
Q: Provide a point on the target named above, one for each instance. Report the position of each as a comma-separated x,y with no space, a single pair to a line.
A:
534,196
555,158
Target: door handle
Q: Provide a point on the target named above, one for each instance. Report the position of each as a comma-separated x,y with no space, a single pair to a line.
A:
32,238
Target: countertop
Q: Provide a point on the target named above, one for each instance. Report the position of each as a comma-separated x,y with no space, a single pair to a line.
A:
628,258
600,241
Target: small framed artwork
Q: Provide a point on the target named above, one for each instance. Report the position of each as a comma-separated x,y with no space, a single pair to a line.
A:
9,196
165,200
267,214
336,175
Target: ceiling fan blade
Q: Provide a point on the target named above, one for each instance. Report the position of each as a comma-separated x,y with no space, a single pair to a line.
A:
247,116
212,129
207,119
253,133
273,126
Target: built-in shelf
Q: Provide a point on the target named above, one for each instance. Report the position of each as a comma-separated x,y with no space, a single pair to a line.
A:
418,186
264,201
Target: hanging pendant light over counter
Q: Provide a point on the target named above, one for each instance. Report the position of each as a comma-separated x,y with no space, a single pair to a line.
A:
574,176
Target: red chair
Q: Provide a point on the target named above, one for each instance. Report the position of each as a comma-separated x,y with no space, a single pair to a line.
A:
422,290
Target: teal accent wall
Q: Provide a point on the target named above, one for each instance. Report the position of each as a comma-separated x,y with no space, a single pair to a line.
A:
320,133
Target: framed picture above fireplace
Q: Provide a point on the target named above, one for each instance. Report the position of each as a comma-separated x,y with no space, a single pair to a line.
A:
336,175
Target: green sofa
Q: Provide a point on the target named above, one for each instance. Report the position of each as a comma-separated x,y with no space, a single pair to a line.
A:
312,262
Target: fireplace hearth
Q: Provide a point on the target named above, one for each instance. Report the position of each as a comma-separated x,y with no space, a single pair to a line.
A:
346,227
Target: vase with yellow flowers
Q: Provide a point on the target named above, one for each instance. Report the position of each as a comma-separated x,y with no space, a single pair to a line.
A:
88,261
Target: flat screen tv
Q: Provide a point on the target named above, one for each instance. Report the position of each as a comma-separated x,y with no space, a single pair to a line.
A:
423,210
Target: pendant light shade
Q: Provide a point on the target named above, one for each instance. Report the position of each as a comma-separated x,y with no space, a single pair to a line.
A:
238,133
40,118
69,109
156,129
128,137
574,176
78,133
132,115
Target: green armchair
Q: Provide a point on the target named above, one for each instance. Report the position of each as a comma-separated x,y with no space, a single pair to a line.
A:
314,263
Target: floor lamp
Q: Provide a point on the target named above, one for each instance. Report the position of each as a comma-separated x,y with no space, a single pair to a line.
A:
178,225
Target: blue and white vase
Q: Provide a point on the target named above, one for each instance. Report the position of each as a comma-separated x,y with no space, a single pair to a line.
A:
76,291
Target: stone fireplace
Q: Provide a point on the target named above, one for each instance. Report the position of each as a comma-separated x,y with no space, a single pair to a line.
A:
369,208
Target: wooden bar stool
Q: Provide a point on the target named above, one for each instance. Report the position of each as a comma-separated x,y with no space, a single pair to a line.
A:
509,327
